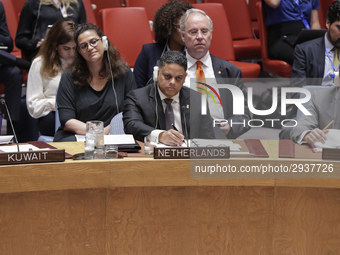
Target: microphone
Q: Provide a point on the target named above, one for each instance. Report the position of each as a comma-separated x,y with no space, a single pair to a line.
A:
185,123
2,101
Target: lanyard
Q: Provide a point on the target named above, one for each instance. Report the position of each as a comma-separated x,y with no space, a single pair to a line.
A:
330,59
296,2
62,8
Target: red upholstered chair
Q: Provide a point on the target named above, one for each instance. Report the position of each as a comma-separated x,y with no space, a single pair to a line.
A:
222,44
273,66
253,17
90,17
104,4
151,6
128,29
245,45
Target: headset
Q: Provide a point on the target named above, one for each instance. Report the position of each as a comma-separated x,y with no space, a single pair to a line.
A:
105,43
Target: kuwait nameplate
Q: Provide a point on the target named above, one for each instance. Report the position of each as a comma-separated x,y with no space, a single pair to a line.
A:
32,157
191,153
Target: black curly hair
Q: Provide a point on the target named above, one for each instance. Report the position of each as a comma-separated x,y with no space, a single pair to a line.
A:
166,19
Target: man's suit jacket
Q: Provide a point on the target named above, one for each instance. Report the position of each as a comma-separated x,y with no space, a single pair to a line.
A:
140,115
309,63
324,107
227,73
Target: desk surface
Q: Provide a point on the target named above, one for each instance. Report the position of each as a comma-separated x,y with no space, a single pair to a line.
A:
138,170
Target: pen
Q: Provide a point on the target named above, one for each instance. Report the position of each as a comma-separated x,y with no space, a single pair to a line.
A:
173,126
327,125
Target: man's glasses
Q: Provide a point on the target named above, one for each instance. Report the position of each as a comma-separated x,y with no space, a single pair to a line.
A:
93,43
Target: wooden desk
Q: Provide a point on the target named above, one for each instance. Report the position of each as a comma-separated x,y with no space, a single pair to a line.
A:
138,205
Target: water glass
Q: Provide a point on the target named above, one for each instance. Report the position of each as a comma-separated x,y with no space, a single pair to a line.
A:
111,151
148,146
94,136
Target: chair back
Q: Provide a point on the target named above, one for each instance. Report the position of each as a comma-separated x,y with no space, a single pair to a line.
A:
221,44
278,67
90,17
151,6
127,29
117,125
238,17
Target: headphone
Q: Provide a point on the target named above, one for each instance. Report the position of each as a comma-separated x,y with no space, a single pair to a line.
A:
105,43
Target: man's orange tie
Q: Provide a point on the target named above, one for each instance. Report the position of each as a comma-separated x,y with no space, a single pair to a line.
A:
200,77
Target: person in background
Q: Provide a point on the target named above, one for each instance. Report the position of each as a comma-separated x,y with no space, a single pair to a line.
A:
146,111
37,15
284,20
167,37
55,55
315,61
95,87
10,74
197,27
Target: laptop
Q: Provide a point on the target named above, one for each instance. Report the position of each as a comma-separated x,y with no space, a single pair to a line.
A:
309,34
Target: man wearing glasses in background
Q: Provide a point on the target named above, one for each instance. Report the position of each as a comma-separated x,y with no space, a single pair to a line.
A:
197,27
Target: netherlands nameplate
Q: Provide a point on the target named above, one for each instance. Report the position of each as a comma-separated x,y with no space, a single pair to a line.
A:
192,153
32,157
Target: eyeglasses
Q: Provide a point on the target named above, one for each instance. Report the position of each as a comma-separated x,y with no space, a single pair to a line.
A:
195,32
93,43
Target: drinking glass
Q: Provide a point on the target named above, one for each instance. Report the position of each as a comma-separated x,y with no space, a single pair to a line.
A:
148,146
94,136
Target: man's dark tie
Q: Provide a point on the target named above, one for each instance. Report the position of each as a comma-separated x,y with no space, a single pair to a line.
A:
169,114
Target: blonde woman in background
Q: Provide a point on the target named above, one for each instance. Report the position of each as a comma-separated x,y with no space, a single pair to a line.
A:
37,15
55,55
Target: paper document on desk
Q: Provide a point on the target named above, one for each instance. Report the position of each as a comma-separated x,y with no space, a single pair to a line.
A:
112,139
216,143
5,139
22,148
119,139
333,140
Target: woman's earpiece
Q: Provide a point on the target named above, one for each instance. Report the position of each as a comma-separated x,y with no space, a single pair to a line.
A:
105,42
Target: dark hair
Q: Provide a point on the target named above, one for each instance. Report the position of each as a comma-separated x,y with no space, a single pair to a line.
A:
60,33
80,71
166,19
333,13
173,57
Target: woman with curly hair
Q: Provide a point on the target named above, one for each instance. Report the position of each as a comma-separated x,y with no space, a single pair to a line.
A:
95,87
37,15
55,55
167,37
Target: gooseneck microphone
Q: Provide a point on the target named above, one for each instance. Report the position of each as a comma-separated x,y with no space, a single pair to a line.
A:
2,101
185,124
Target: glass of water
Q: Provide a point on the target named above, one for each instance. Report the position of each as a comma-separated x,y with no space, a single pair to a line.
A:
94,136
148,146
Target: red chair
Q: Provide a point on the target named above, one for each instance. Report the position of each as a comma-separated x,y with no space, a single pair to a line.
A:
151,6
245,45
128,29
90,17
222,44
104,4
278,67
253,17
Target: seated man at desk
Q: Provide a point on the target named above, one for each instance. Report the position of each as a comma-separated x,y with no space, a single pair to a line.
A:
316,61
163,111
325,114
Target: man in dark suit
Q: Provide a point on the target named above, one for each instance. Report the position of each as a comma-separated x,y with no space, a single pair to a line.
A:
145,108
196,27
314,60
